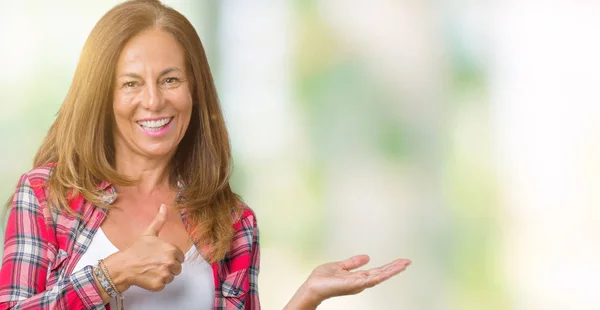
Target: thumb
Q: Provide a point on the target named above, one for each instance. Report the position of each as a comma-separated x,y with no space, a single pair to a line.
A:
158,222
354,262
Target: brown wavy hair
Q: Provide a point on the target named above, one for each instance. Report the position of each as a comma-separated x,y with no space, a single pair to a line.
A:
81,144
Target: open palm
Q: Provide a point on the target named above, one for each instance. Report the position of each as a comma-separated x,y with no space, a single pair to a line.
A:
337,278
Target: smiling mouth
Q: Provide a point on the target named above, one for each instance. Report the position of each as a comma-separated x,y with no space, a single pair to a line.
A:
155,125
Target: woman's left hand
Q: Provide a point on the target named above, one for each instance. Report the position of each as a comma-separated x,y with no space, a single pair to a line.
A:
337,279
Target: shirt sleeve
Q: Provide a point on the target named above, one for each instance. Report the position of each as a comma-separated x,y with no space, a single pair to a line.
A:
253,302
25,263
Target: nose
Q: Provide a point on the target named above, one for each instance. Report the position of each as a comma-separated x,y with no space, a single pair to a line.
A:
153,99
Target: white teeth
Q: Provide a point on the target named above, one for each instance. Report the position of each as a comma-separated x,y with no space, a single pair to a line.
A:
155,124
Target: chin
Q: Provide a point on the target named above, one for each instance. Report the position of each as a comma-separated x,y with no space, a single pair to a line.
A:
158,152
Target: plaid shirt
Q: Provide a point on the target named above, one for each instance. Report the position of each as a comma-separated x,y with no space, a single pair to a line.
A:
42,247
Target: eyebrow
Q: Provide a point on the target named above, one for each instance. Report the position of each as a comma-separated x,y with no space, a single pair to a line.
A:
137,76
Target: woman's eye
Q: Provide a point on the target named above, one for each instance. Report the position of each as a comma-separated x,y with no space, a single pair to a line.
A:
129,84
171,80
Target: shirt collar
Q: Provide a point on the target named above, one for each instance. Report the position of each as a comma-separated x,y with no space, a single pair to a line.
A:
110,192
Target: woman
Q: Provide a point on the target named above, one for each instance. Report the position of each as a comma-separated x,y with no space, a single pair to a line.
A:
129,205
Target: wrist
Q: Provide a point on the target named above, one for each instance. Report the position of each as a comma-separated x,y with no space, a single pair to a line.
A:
304,299
118,272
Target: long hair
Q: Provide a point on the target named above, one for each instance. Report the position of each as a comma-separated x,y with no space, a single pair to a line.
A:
81,144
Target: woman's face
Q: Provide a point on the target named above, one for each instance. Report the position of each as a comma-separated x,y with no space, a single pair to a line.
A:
152,99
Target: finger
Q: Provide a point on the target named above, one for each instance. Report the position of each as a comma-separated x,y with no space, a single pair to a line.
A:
179,256
158,222
354,262
380,274
403,261
157,284
169,279
389,267
395,267
175,269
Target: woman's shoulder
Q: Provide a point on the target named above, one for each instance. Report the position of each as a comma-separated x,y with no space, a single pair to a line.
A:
34,183
245,211
246,217
39,176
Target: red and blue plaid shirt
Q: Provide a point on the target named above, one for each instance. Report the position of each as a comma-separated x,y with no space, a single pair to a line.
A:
43,246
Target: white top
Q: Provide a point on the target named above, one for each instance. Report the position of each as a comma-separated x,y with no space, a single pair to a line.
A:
192,289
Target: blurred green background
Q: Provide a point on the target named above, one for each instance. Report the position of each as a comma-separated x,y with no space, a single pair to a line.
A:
459,134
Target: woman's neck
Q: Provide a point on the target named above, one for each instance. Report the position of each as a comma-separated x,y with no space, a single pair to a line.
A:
151,175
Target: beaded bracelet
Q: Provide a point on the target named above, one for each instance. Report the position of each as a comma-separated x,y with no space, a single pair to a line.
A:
105,280
107,274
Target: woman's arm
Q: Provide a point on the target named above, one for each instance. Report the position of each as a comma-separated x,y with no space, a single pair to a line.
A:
25,263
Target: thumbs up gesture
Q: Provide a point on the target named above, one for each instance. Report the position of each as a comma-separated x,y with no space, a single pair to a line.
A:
157,224
150,263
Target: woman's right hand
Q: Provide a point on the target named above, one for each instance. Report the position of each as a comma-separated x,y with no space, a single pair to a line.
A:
150,262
